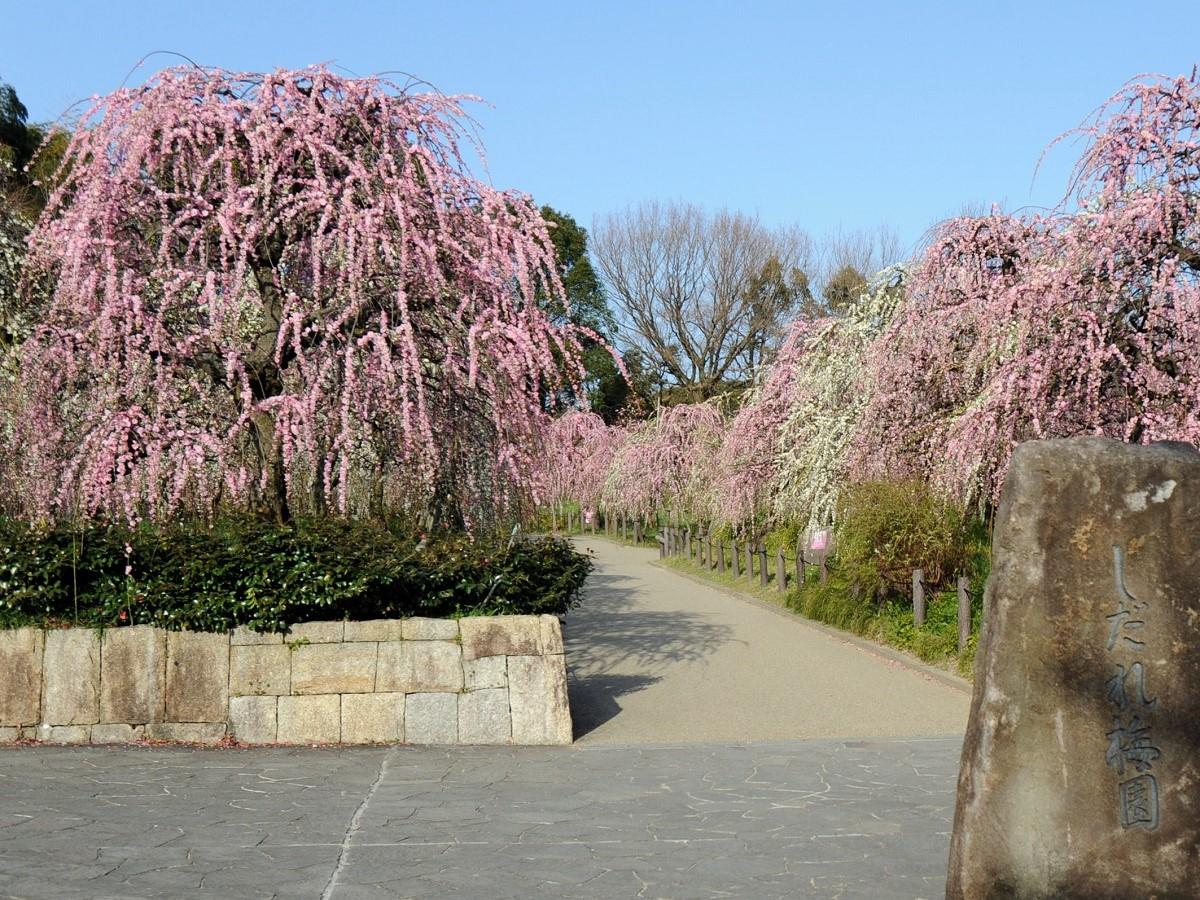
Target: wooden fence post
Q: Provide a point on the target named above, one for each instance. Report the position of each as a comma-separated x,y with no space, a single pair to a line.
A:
800,563
708,552
918,586
687,543
749,560
964,612
662,545
737,562
637,531
624,528
700,547
721,556
762,565
780,571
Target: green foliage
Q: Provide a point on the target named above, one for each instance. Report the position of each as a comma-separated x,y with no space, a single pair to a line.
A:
890,528
268,576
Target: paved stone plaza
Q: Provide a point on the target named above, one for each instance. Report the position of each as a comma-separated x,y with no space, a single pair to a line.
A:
821,818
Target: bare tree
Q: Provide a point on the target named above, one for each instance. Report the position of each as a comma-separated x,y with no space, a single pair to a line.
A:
703,296
848,259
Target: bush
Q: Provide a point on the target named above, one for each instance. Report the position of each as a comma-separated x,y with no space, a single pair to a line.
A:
888,529
267,576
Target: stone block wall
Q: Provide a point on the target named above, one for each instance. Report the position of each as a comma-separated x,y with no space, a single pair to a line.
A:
485,680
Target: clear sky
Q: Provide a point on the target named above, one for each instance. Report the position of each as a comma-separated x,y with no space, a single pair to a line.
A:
827,115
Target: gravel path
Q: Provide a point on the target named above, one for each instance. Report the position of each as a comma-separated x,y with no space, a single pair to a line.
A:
654,657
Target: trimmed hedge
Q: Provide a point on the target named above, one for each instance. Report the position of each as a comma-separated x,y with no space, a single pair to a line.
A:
267,576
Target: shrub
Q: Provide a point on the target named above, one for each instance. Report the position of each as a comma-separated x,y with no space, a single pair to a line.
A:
267,576
890,528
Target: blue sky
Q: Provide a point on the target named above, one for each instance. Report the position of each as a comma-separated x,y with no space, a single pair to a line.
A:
827,115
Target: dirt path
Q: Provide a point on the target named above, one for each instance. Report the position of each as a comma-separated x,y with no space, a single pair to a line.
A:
655,657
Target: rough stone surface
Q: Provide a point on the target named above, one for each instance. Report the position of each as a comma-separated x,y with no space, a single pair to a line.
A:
484,717
315,719
187,732
538,696
8,734
1081,768
253,720
486,672
551,635
372,718
244,637
71,677
133,671
374,630
20,676
334,668
117,733
501,636
420,629
197,676
431,718
858,820
419,666
316,632
64,734
260,669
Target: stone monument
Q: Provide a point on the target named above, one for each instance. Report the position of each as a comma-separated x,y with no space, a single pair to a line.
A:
1080,772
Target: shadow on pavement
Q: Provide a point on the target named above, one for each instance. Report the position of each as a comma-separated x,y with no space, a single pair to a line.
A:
615,648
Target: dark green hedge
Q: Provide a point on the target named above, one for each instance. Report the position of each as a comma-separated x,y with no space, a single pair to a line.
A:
268,576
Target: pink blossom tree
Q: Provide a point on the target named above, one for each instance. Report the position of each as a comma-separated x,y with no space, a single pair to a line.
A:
1085,321
284,292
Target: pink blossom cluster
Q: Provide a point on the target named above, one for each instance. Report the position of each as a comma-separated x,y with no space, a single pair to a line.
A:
287,291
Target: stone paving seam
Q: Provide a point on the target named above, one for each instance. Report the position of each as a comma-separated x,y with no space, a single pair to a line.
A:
353,828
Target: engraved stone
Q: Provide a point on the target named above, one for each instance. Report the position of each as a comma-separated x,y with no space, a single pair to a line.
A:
538,696
484,717
372,718
21,678
252,720
420,666
334,668
1078,776
197,676
260,669
501,636
315,719
71,677
431,718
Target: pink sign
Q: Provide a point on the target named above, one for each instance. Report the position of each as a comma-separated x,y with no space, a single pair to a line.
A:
819,540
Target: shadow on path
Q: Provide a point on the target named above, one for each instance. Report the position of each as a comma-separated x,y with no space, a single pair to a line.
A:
617,645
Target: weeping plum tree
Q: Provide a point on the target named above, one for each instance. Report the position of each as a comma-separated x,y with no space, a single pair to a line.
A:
283,292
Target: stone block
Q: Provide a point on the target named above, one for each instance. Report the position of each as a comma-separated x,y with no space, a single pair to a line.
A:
253,720
117,733
374,630
21,685
133,672
260,669
64,734
315,719
500,636
71,677
244,637
1079,767
9,734
372,718
485,672
185,732
431,718
484,717
420,666
197,676
316,632
538,696
551,633
334,668
421,629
